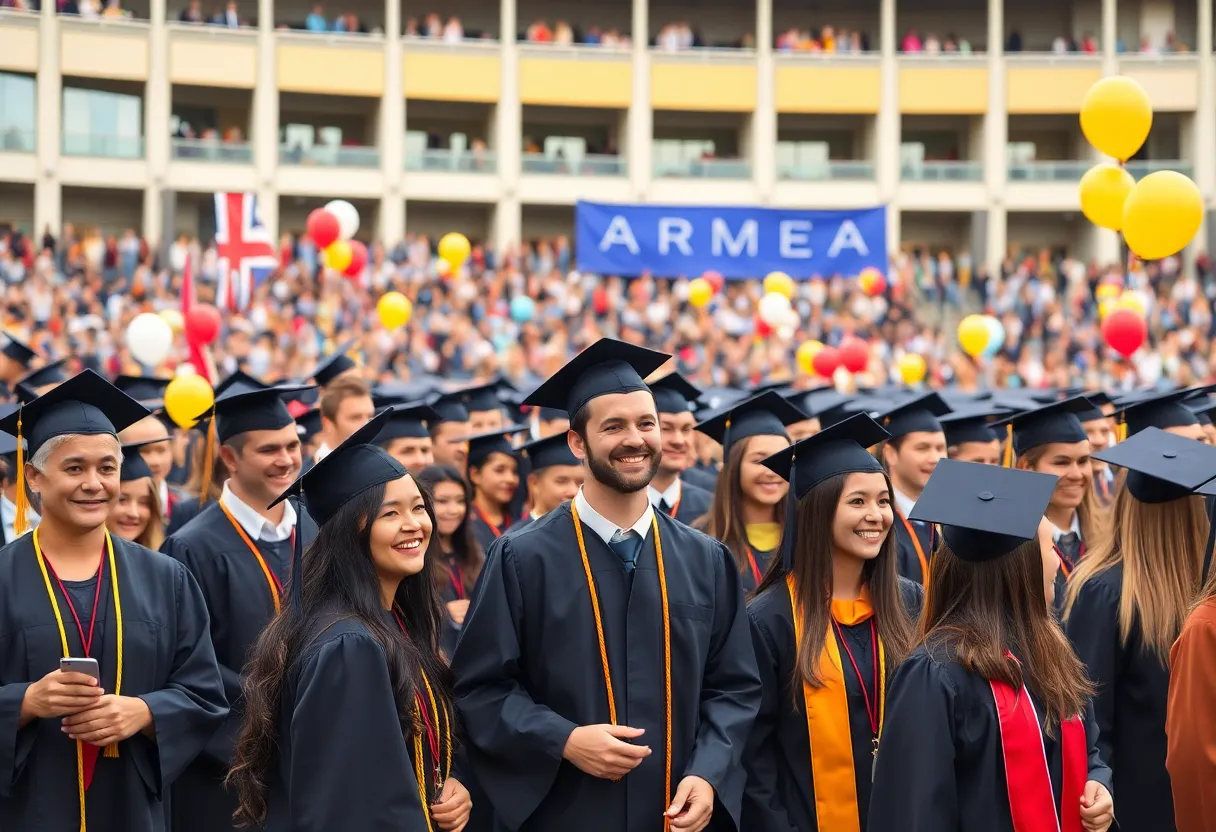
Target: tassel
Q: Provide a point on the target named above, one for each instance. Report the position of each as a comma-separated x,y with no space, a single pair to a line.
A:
1121,428
208,462
726,440
789,534
21,523
1007,462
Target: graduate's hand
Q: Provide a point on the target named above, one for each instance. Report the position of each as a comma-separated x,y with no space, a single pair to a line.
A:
693,804
112,719
1097,807
59,694
451,812
600,750
457,610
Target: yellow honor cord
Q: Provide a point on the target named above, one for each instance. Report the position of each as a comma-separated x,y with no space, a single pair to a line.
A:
1008,460
21,523
111,750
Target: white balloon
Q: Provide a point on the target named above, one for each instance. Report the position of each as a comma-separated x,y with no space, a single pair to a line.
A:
348,217
149,338
185,369
792,319
774,309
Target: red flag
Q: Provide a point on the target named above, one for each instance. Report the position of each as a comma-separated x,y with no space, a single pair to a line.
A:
197,358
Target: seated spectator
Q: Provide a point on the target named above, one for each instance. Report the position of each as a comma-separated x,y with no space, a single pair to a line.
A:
563,34
193,13
228,18
1089,44
453,30
316,21
911,42
539,32
433,27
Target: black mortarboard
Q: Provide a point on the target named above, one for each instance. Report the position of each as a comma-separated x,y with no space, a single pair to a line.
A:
84,404
309,423
253,410
133,465
1162,411
815,402
607,366
1161,466
551,414
964,398
915,415
334,364
971,425
985,511
18,350
8,443
481,445
763,415
674,394
142,388
481,398
450,407
49,374
765,386
1202,405
239,382
1055,422
550,451
401,392
407,422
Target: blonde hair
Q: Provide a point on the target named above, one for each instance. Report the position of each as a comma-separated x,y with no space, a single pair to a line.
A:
1160,546
1091,513
153,535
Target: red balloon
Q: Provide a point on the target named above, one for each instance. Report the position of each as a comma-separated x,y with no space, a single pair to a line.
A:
323,227
203,324
715,280
763,330
358,259
854,354
826,361
1124,331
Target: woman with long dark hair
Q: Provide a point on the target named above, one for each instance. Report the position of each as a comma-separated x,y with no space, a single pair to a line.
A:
988,723
348,707
493,470
830,622
459,556
749,501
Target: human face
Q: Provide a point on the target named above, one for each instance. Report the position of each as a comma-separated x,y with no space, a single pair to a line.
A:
552,486
987,453
415,453
131,512
353,413
158,455
1099,433
268,462
80,482
497,478
1070,462
623,447
399,536
913,462
448,444
863,516
757,483
484,421
1195,432
676,429
803,430
450,507
551,427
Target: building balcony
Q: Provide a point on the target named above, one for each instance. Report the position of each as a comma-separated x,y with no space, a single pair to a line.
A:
334,156
99,146
16,140
1048,171
211,150
704,169
848,170
441,160
1141,169
575,76
943,171
213,56
19,40
589,165
112,48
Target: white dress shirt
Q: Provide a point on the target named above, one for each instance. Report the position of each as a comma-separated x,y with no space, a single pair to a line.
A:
254,524
1075,528
904,503
604,528
671,496
8,516
321,452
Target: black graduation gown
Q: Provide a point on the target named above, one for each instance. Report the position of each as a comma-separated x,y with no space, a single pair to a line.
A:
940,764
694,503
748,575
182,509
528,672
168,661
909,563
780,792
342,762
482,531
239,601
702,476
1130,705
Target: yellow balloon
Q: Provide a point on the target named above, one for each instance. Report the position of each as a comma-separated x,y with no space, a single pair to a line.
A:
338,255
173,318
700,292
454,247
1108,291
1105,307
1162,215
912,368
807,351
394,310
188,397
1104,190
1116,116
973,335
1132,300
781,283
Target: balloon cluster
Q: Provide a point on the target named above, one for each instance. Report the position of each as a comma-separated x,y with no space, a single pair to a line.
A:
701,290
872,282
981,335
817,359
332,228
776,312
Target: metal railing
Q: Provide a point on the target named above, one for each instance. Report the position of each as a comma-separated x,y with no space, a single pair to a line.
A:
1142,168
421,42
1070,170
357,40
133,25
17,140
444,159
943,171
211,150
576,51
831,171
704,54
211,30
328,155
102,146
590,165
705,169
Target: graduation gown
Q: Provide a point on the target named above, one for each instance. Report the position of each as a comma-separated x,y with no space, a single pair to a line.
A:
528,672
1130,705
483,532
342,762
909,561
168,661
941,765
780,794
702,476
182,509
756,566
694,503
240,603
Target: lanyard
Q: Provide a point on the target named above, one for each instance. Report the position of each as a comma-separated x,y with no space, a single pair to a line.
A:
457,576
751,561
872,710
85,641
276,588
497,531
920,552
1064,564
671,512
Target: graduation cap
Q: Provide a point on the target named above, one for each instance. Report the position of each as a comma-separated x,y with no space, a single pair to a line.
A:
346,472
407,422
239,413
1055,422
334,365
915,415
133,465
142,388
309,423
765,386
674,394
50,374
1161,466
607,366
1202,405
551,414
816,402
239,382
481,445
8,445
550,451
1163,411
450,407
972,425
18,350
763,415
985,511
954,396
481,398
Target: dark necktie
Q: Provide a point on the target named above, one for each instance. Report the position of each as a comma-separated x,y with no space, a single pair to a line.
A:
1069,546
663,507
627,545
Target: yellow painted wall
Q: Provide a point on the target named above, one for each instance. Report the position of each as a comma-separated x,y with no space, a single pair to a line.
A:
18,48
828,89
1043,89
102,54
576,82
706,87
330,70
214,64
437,76
1171,89
925,90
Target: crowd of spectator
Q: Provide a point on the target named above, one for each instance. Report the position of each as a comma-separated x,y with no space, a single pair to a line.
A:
824,39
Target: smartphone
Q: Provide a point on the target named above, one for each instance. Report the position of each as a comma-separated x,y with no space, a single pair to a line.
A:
88,667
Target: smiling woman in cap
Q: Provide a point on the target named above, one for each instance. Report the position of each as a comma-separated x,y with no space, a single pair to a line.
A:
988,725
135,515
159,697
494,475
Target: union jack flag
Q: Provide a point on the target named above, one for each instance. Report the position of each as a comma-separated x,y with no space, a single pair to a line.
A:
246,252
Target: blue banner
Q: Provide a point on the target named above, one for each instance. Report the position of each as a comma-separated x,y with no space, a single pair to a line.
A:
674,241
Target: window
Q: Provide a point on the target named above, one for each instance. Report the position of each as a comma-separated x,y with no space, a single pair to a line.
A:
17,113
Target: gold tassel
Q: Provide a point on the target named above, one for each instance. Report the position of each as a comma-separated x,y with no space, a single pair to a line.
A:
1121,428
1008,460
208,462
21,523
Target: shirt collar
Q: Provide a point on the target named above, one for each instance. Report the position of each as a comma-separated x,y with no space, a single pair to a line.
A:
254,524
603,527
1075,528
671,496
904,503
321,453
